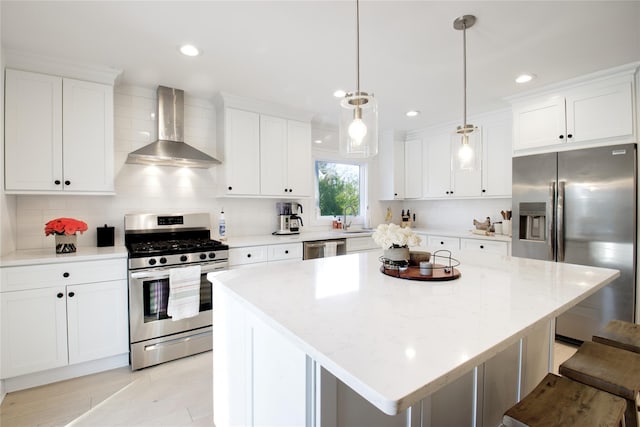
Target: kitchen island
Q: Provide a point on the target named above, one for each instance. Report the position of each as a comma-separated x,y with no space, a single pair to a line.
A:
333,341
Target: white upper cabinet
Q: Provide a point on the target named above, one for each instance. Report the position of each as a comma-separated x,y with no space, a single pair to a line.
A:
436,160
413,169
496,156
264,154
391,164
595,110
58,135
241,152
285,157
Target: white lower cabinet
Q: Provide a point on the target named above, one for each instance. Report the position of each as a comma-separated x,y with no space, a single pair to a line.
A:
361,244
59,322
486,246
249,255
436,243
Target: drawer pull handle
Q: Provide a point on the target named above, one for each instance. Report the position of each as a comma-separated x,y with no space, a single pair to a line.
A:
65,274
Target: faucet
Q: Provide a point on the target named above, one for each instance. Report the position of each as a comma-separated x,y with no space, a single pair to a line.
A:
345,225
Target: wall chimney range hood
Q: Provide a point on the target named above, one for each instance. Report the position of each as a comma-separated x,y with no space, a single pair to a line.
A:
170,148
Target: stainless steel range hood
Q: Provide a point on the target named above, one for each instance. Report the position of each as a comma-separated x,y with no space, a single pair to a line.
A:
170,148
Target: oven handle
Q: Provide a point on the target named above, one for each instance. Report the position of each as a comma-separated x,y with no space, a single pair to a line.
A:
164,273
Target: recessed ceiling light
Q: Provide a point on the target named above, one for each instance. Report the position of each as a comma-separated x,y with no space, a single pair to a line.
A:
318,141
412,113
524,78
189,50
339,93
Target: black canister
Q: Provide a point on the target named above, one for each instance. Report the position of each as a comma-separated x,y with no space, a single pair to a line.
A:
105,236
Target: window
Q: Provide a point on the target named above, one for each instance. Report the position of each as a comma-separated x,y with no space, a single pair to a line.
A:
340,188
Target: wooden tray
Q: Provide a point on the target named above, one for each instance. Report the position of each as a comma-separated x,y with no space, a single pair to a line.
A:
413,273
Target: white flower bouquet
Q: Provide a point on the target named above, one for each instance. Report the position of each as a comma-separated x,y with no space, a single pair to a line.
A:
393,236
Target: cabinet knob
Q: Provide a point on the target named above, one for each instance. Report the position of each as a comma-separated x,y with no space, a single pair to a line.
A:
451,192
561,136
481,246
65,274
286,251
447,192
56,182
291,190
442,243
286,191
484,191
72,294
570,136
395,194
67,182
248,255
60,295
230,188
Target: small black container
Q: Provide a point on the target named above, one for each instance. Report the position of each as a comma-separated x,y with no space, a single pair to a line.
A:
105,236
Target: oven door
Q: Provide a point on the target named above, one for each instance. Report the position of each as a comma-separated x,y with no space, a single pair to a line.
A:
148,300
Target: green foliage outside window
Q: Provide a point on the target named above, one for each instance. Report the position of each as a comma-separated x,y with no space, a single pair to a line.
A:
338,188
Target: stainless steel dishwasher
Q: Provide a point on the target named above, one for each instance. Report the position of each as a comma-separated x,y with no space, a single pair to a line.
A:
324,248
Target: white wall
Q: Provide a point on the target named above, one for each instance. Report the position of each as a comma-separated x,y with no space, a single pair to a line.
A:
7,203
142,188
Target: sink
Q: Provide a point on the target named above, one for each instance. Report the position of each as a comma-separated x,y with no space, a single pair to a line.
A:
359,231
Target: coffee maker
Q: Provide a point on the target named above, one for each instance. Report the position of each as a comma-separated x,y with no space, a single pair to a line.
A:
288,220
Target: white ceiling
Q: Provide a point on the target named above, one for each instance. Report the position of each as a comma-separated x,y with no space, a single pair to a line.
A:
297,53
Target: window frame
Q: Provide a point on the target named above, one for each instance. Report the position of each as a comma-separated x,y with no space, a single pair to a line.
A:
364,196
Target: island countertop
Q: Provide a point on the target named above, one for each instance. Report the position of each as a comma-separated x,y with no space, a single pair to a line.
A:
395,341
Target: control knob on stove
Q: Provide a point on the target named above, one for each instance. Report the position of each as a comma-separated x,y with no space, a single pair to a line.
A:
163,260
183,258
152,261
203,256
212,254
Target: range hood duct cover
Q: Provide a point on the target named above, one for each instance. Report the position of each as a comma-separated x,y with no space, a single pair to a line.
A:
170,148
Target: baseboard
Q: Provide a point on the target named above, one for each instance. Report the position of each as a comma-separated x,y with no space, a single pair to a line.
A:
36,379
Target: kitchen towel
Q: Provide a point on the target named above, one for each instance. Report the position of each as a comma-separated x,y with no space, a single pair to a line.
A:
184,292
330,249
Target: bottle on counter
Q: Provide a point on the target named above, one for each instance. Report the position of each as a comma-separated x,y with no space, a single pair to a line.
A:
222,226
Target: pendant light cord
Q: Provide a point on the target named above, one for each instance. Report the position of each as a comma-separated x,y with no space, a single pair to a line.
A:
464,70
358,47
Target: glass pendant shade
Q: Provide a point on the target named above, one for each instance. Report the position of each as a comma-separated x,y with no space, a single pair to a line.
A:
358,125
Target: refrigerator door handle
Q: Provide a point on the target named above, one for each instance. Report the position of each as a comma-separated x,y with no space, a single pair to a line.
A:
551,234
560,220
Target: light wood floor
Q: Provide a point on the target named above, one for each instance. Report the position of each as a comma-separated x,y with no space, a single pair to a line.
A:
178,393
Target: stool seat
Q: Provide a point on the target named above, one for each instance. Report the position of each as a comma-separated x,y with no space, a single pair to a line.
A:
559,401
621,334
610,369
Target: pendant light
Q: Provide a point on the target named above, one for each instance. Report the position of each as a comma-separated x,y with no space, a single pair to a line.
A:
359,114
466,156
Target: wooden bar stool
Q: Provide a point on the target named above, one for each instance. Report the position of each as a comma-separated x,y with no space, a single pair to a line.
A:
617,333
609,369
559,401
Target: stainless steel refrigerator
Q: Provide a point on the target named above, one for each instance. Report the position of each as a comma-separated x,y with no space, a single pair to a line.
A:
579,207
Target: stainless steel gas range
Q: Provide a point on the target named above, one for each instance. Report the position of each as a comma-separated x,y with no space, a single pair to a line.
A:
157,244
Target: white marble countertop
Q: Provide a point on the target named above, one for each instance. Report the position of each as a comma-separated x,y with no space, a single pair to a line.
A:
49,256
396,341
305,236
